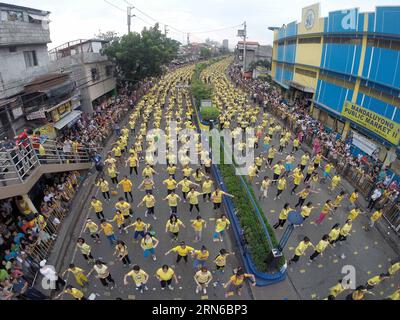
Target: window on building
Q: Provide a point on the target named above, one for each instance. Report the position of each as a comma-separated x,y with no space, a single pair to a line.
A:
310,40
109,71
383,43
30,59
292,41
95,75
12,49
343,40
15,16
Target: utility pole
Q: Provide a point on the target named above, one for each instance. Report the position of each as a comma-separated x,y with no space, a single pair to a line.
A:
129,16
188,38
244,46
165,30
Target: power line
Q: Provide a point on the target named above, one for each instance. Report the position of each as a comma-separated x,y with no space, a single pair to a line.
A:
115,6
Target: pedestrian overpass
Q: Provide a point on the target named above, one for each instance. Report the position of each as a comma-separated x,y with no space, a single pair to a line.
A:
22,166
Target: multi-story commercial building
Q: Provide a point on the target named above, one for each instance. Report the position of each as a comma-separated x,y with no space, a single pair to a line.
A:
254,52
348,66
225,44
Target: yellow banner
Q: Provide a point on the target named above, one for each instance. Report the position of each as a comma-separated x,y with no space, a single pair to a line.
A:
378,124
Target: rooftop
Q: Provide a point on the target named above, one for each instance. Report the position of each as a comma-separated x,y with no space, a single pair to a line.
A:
20,8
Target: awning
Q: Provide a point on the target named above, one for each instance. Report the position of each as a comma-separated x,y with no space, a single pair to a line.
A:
37,17
300,87
70,117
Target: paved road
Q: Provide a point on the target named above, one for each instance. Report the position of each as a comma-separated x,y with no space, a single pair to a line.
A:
186,288
368,252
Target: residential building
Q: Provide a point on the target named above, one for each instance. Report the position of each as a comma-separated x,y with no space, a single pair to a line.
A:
24,35
347,65
254,52
89,68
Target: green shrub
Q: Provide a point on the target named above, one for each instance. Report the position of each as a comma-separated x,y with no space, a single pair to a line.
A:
209,113
249,222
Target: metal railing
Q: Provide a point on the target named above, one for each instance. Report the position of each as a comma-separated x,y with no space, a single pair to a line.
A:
17,164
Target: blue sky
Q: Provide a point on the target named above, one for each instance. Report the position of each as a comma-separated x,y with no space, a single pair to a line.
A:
81,19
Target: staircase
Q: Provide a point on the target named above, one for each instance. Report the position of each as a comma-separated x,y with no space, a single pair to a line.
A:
22,167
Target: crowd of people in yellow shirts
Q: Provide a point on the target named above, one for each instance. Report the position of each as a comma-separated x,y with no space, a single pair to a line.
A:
136,147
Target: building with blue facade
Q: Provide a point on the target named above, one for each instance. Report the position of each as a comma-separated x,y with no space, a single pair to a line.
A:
348,65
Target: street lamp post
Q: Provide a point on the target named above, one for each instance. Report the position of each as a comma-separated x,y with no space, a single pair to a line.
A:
294,219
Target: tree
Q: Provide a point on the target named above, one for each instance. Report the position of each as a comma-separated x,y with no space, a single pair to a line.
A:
107,36
261,63
141,55
205,53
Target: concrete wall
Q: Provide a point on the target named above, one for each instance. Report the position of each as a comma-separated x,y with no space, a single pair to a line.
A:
13,71
15,32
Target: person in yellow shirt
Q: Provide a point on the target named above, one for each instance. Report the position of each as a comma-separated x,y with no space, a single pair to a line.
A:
281,186
104,188
334,234
374,217
206,189
235,283
165,275
121,251
193,197
150,202
171,170
186,184
170,183
74,292
173,200
352,199
112,173
320,247
344,231
126,187
303,194
327,172
182,250
97,206
133,163
278,169
393,269
125,208
220,262
108,230
93,229
306,211
221,225
271,155
139,277
337,201
148,171
394,296
296,144
354,213
200,257
147,184
336,290
117,153
198,224
79,275
324,212
173,226
85,249
216,197
198,176
297,178
335,182
374,281
187,171
283,215
304,160
140,229
301,249
119,219
202,278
